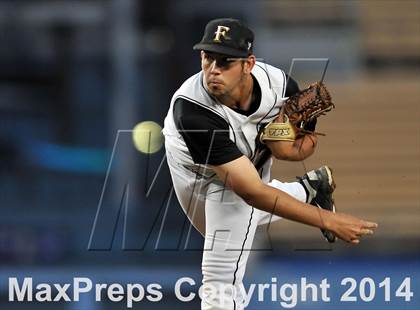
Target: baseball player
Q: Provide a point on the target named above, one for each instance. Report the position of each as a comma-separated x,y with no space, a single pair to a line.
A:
210,139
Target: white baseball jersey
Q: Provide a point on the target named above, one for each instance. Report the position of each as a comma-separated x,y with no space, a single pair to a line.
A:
226,221
192,181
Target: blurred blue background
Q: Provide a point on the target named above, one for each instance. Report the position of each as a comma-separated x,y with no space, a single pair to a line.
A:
78,199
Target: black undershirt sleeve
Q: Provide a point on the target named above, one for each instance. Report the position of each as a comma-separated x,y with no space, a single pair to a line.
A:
205,133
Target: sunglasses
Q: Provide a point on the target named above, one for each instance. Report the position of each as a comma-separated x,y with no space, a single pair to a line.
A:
222,61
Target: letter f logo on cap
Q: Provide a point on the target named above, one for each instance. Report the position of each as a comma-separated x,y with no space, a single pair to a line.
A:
221,32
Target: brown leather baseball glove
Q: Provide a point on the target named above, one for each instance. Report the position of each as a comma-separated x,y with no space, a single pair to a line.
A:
297,112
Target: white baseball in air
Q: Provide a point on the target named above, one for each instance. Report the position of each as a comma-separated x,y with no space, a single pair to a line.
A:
147,137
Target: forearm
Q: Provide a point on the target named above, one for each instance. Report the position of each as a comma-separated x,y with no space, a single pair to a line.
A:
297,150
267,198
277,202
303,148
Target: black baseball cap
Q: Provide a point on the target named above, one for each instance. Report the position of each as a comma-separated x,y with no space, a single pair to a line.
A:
227,36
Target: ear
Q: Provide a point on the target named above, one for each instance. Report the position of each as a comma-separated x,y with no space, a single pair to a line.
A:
249,64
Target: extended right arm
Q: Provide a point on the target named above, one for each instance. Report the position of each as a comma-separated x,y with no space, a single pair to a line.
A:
241,176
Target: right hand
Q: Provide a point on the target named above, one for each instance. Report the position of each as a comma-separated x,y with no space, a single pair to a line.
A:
350,228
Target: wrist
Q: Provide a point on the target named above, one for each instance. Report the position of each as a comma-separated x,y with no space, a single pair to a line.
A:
327,219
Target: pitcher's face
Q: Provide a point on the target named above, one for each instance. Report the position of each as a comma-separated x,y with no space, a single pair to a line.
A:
222,74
